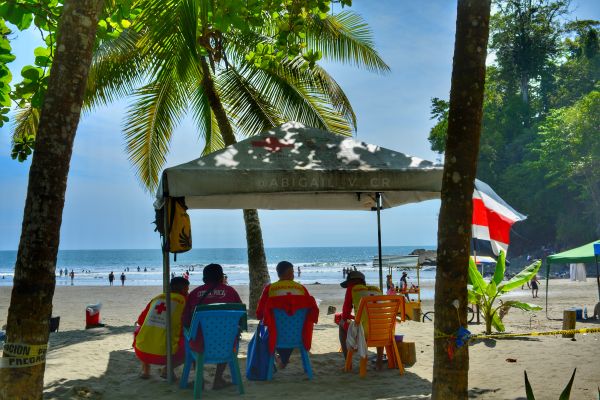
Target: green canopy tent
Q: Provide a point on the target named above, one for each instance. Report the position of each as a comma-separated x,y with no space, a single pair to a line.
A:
588,253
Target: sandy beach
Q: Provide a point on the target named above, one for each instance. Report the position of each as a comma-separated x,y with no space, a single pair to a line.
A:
100,363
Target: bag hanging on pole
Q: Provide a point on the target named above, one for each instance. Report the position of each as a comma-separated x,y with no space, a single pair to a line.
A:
257,366
180,232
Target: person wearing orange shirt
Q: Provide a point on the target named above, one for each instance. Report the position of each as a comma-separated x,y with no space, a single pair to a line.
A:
284,286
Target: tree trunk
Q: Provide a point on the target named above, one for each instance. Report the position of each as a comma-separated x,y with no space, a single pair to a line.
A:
34,280
524,89
451,373
257,261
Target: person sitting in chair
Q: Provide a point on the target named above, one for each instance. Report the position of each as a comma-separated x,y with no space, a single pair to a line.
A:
149,340
284,286
356,288
213,291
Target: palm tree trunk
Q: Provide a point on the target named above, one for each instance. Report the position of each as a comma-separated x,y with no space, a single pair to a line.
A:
451,372
34,281
257,261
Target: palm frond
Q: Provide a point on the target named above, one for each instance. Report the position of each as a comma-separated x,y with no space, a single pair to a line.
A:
345,38
150,121
214,139
26,122
117,69
253,112
297,100
208,128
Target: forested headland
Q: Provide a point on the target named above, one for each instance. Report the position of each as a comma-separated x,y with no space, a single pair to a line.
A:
540,141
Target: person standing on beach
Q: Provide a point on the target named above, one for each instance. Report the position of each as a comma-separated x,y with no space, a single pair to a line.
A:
123,277
138,268
299,271
111,278
213,291
72,275
534,286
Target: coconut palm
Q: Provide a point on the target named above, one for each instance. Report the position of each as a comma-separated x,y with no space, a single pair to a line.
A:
174,65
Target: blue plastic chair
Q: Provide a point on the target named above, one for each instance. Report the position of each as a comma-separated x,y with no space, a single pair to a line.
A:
289,336
220,329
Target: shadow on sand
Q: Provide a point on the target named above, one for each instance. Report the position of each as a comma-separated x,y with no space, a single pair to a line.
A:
62,339
120,380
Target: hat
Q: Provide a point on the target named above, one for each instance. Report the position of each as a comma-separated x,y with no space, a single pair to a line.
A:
404,273
352,275
212,273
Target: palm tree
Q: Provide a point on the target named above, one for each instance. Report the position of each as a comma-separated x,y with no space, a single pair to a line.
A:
174,65
451,373
34,280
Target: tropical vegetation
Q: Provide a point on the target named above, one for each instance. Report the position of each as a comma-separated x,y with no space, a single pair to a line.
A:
485,293
53,90
540,139
235,78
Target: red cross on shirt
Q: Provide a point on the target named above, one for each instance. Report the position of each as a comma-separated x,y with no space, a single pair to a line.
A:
160,307
271,143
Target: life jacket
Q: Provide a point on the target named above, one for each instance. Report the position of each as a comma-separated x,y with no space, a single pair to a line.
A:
282,288
152,335
358,292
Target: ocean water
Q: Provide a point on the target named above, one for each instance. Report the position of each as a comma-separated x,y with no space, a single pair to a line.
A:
317,264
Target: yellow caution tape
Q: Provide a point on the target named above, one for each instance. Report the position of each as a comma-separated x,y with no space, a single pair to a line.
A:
548,333
441,335
18,355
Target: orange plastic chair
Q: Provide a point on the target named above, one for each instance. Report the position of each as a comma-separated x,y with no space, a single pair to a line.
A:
380,327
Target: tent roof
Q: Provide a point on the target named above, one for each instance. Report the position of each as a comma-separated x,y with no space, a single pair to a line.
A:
582,254
297,167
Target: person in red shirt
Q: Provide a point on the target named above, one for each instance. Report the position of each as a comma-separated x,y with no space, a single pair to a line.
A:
352,278
284,286
213,291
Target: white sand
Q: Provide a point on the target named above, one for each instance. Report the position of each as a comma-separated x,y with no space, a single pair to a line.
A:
100,363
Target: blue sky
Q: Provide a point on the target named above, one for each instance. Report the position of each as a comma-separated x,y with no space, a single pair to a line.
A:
107,208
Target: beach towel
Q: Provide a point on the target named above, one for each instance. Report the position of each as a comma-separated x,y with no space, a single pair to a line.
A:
355,339
257,366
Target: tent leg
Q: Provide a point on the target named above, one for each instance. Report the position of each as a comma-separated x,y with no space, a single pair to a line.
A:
378,201
547,280
166,276
167,291
597,276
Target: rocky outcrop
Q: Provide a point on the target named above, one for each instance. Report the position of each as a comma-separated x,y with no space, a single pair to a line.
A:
426,257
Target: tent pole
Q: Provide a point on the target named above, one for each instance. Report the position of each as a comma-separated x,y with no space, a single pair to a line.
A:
167,289
547,281
378,201
597,275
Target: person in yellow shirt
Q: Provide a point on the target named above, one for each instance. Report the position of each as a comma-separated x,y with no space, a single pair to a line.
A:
150,336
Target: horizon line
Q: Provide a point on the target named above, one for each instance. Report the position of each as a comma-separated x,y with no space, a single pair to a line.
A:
241,248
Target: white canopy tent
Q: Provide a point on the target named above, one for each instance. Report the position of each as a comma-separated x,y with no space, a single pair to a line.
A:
294,167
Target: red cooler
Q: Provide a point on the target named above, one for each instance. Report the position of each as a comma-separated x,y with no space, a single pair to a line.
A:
92,315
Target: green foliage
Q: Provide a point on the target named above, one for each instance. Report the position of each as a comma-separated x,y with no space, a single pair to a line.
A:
272,32
485,293
22,147
437,134
538,153
565,395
